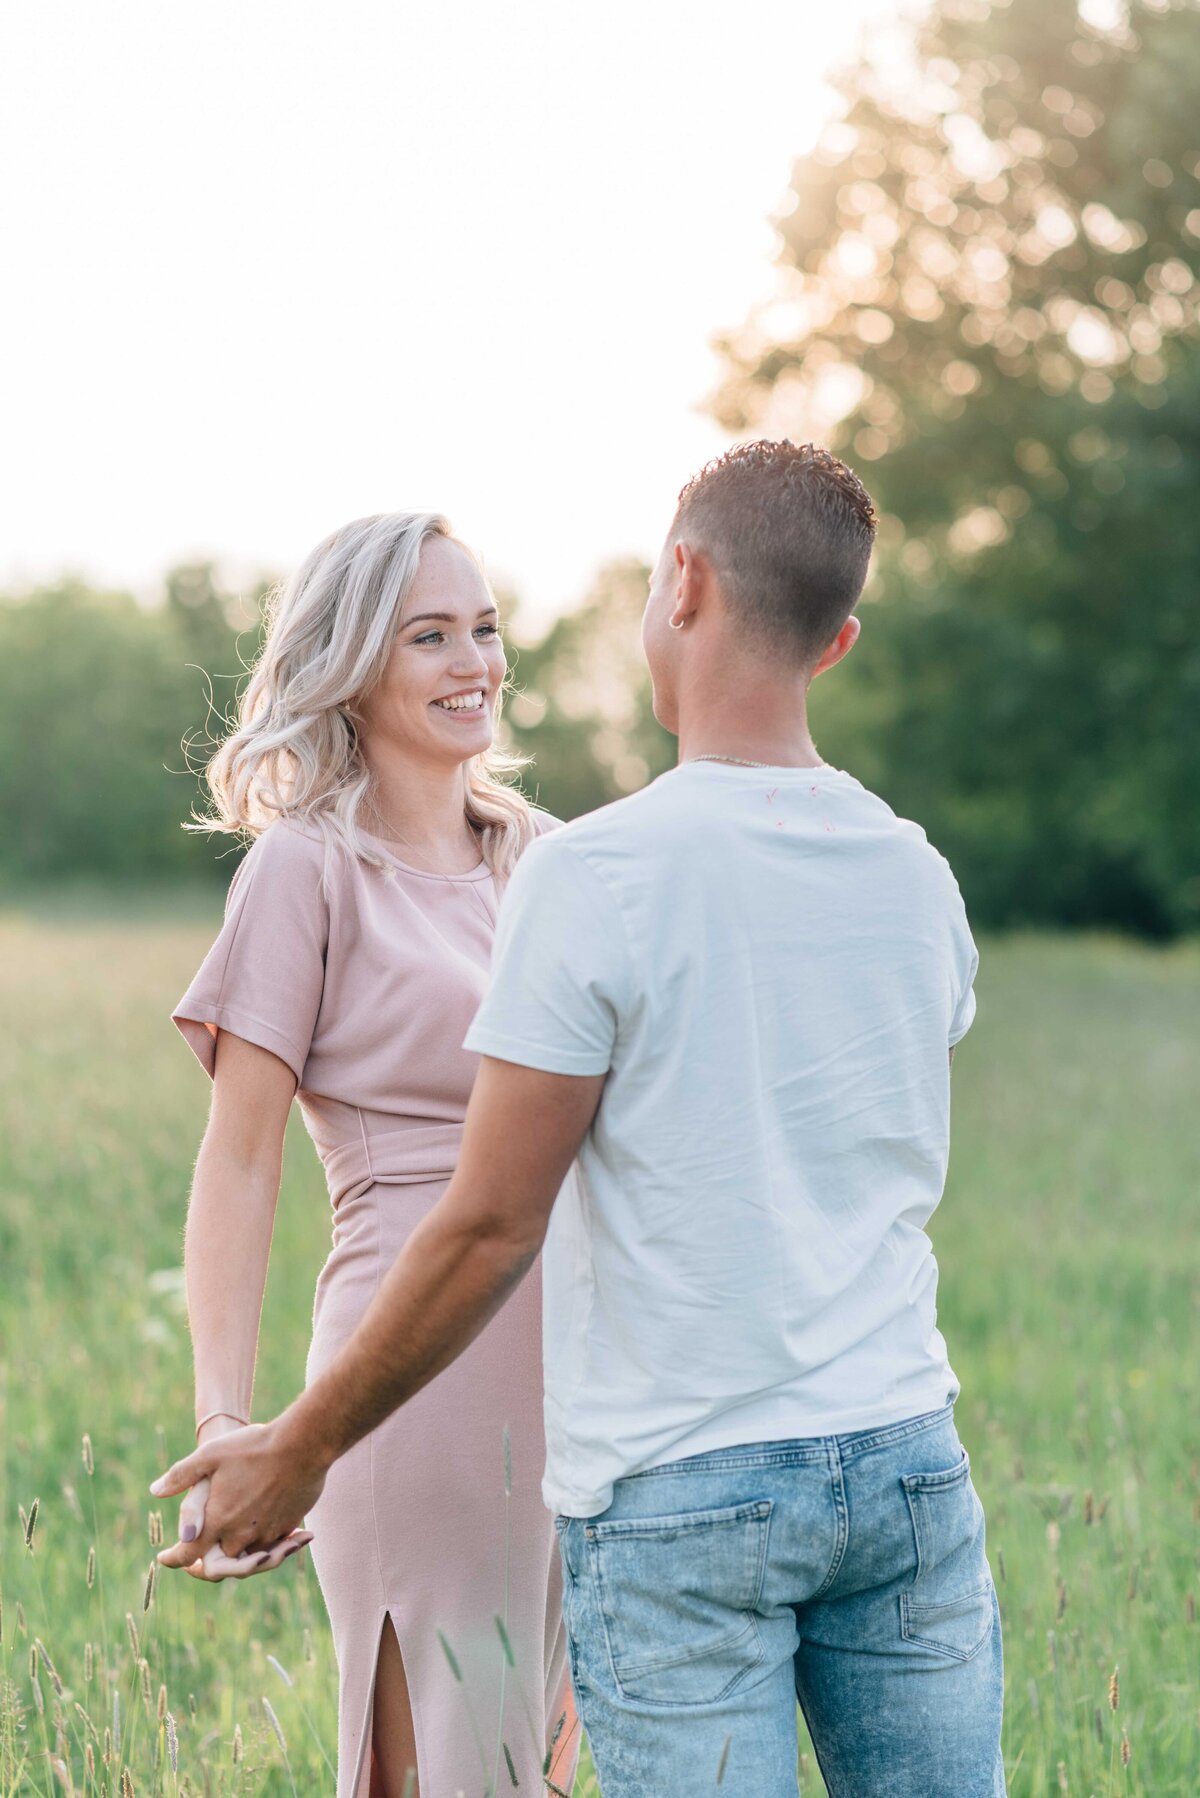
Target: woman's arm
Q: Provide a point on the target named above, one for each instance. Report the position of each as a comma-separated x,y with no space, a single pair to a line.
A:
227,1245
231,1215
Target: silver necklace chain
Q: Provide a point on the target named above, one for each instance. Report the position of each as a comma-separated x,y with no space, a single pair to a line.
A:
730,758
742,763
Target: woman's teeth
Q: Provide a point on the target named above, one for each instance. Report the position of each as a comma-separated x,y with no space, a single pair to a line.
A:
461,702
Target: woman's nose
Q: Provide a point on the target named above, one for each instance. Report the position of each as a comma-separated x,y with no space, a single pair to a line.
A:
470,659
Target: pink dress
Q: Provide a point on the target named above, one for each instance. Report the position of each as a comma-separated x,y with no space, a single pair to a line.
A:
366,995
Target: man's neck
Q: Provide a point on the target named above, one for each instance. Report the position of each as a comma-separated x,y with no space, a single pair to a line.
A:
749,722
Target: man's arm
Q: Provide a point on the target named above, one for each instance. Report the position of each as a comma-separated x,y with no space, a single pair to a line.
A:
523,1130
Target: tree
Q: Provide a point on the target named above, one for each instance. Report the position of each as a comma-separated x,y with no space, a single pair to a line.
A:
988,291
582,704
98,696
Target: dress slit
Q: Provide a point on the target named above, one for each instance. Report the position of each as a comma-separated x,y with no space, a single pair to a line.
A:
359,1785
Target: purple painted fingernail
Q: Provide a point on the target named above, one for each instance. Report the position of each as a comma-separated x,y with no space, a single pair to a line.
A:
188,1533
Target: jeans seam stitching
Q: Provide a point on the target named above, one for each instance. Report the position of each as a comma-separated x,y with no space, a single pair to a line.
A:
720,1460
958,1654
686,1659
754,1510
841,1511
899,1432
751,1624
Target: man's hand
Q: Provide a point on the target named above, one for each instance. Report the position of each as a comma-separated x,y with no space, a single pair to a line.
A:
259,1483
523,1130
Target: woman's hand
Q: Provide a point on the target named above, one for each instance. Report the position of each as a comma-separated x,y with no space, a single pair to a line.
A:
215,1564
260,1483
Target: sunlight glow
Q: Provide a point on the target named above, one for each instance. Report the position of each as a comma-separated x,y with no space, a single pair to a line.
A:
275,266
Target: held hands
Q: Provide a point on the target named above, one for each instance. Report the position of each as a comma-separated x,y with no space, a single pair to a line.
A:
246,1494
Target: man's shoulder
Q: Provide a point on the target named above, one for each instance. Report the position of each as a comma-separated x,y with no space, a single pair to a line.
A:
621,824
904,831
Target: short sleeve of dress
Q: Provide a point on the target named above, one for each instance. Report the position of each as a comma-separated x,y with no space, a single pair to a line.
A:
263,977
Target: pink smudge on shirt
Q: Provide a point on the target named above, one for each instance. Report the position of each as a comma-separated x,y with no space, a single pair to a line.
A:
771,795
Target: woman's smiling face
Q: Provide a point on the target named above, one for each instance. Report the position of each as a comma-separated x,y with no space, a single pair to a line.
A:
437,696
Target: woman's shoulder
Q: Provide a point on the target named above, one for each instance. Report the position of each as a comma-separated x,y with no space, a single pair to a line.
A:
288,849
543,821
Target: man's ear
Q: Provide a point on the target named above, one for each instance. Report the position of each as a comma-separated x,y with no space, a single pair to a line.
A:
692,569
841,646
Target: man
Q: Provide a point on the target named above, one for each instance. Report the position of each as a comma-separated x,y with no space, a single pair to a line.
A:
734,998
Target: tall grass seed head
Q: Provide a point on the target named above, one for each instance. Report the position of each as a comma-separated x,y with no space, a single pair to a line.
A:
276,1725
48,1664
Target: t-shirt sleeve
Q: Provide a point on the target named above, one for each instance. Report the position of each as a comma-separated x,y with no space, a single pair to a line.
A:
966,960
561,973
964,1016
263,977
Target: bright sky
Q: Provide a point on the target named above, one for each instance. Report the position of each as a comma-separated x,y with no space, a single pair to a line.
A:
270,266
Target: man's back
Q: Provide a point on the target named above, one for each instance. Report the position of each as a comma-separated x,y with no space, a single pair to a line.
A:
772,967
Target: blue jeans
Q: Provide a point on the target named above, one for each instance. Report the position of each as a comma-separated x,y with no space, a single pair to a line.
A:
848,1572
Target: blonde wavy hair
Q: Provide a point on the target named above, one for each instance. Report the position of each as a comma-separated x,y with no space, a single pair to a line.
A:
295,751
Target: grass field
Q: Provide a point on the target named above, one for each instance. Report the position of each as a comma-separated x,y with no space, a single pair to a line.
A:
1067,1244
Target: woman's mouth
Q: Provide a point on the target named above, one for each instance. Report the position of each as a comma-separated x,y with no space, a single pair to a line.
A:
470,701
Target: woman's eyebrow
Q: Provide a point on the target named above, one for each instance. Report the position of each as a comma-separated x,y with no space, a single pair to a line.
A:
442,617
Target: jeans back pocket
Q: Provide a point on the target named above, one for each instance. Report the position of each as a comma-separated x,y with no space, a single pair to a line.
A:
949,1604
677,1597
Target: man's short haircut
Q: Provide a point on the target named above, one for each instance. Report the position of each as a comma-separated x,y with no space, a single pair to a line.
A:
788,529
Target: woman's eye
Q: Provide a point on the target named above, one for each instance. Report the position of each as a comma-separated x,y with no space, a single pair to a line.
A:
484,630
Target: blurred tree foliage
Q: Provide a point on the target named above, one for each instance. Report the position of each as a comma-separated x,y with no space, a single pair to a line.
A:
582,706
109,710
98,697
988,301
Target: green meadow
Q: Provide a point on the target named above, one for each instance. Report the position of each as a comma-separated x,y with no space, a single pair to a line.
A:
1070,1289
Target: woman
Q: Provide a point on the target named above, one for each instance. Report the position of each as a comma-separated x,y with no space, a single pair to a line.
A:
353,955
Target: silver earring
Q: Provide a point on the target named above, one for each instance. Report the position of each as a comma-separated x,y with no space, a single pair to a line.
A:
677,627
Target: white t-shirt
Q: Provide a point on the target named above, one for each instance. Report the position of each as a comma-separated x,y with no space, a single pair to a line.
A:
772,967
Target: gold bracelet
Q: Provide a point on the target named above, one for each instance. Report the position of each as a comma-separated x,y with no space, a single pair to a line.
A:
212,1414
